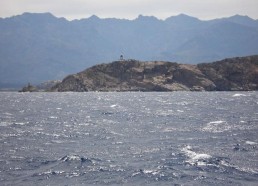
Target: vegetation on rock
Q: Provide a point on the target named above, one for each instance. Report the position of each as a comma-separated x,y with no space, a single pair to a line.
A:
132,75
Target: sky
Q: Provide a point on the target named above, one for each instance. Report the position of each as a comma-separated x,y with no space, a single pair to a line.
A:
130,9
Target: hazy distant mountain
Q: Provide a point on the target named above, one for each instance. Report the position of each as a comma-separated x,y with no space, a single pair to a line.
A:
41,47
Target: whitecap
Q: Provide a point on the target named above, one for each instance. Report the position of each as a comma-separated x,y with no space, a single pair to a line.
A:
149,171
53,117
58,141
195,158
71,158
200,156
50,172
216,122
251,143
119,142
84,124
180,111
112,106
115,133
135,174
169,129
216,126
55,135
146,171
75,158
238,95
20,123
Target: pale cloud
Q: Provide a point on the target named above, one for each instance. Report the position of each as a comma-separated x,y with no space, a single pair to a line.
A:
130,9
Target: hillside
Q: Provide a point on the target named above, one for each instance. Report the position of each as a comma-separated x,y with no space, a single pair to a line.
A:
40,47
131,75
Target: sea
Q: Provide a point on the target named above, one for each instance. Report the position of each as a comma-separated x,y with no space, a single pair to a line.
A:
129,138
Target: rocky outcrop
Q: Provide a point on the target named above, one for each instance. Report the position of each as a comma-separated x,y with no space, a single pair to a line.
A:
233,74
132,75
29,88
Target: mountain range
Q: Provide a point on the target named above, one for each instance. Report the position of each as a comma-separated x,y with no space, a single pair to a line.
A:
39,47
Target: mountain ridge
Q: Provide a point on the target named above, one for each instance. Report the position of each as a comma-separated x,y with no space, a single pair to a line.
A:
41,47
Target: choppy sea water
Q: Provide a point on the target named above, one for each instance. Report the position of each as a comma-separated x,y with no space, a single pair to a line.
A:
178,138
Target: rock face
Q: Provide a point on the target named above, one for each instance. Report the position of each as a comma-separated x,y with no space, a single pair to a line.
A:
132,75
233,74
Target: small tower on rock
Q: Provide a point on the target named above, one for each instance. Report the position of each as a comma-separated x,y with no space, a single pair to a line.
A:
121,57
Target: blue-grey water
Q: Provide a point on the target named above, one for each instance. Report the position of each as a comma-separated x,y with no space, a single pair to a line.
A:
178,138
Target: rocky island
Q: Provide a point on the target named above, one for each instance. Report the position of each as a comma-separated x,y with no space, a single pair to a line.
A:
234,74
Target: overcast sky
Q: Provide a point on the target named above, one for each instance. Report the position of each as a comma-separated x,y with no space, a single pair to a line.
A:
130,9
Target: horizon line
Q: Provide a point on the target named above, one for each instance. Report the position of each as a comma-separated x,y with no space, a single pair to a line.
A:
123,18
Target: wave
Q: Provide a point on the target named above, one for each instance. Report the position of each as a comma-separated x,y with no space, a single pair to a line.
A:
146,172
216,126
251,143
77,158
194,158
238,95
208,162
